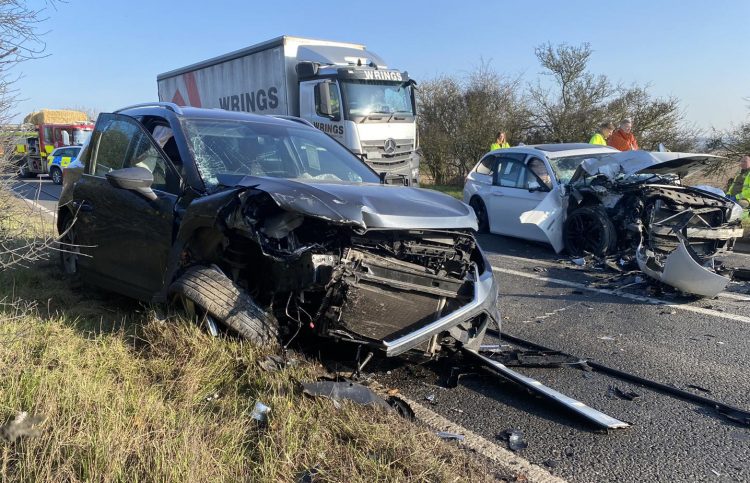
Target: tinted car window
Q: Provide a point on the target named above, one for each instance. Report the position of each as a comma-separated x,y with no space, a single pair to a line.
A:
272,150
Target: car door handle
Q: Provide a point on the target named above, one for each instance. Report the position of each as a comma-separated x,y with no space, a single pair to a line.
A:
84,206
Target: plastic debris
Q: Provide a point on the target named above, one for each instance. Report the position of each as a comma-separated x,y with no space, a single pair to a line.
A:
402,408
430,398
450,436
514,438
338,391
22,425
260,412
579,261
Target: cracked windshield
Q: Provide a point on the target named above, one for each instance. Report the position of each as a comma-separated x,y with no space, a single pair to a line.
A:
247,148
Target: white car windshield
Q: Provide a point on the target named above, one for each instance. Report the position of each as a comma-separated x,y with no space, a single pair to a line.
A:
227,147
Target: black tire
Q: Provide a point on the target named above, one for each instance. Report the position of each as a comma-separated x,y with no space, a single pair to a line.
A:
69,250
23,170
480,209
56,174
221,298
589,230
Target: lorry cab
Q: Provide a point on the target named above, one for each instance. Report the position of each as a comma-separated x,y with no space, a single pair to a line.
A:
341,88
369,109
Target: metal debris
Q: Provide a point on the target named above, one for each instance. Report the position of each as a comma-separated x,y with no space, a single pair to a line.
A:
450,436
338,391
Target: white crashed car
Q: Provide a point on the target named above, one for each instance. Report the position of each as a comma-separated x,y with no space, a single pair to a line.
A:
595,199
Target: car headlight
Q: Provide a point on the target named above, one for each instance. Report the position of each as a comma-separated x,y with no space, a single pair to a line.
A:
736,213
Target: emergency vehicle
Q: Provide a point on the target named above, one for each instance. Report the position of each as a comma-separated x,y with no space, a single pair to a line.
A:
50,129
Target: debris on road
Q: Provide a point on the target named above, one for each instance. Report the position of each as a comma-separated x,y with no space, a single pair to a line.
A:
579,261
430,398
606,337
699,388
550,463
514,438
616,391
338,391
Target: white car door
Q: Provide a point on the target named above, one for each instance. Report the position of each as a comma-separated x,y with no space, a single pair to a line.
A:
516,190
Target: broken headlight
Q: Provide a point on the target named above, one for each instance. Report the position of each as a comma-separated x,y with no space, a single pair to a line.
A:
736,213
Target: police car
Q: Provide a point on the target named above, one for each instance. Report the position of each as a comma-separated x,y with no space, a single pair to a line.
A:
59,159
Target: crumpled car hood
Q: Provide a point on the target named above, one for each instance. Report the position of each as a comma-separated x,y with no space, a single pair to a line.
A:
628,163
366,205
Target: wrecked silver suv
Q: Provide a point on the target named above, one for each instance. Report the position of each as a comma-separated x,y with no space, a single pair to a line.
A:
270,227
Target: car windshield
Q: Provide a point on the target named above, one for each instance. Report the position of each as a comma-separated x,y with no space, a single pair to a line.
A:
365,97
271,150
565,166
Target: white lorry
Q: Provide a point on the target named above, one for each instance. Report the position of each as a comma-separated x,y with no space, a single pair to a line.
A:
341,88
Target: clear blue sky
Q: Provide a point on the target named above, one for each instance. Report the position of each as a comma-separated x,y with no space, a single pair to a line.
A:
106,54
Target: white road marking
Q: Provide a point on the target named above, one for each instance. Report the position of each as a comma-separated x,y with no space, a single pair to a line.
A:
639,298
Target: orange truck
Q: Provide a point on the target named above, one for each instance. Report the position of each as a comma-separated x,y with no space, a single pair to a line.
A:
50,129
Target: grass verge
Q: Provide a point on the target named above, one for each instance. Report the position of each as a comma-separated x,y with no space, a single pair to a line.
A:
129,397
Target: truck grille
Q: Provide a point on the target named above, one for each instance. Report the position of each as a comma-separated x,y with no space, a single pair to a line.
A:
376,155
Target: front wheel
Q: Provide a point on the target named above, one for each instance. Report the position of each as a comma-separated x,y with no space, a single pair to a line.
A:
480,209
589,230
56,175
226,303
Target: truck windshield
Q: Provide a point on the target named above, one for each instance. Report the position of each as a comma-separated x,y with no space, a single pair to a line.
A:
365,97
226,147
80,136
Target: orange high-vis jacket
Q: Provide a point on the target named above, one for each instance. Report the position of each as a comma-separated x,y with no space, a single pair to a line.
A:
622,140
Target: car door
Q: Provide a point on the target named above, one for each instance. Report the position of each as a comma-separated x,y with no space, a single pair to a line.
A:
516,189
125,238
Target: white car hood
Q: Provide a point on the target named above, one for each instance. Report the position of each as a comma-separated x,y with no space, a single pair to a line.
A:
628,163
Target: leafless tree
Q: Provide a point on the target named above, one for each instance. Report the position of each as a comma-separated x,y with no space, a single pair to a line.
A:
459,118
23,235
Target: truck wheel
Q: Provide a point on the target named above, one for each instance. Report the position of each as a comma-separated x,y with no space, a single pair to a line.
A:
69,250
226,303
480,210
589,230
23,171
56,175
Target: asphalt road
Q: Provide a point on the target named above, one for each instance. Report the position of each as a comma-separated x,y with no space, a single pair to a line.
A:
664,337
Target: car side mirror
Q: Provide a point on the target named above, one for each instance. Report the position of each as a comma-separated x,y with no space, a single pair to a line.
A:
136,179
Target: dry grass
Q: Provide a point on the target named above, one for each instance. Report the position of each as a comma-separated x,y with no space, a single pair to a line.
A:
127,397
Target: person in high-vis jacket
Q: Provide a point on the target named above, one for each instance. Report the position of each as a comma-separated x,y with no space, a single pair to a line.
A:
738,188
604,132
500,142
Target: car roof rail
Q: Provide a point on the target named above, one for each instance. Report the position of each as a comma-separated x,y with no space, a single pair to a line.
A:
294,118
169,105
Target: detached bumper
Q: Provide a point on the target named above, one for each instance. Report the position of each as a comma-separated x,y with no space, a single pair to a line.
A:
483,303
